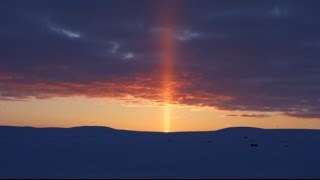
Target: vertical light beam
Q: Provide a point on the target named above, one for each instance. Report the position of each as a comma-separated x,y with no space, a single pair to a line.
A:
168,50
167,76
167,118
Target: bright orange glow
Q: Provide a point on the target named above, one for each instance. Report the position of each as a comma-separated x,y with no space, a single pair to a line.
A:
83,111
167,118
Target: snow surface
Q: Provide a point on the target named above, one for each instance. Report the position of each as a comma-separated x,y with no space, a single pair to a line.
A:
97,152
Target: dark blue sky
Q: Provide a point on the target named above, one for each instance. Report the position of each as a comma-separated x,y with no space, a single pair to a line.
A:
233,55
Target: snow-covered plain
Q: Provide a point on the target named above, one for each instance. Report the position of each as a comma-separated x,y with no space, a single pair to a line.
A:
97,152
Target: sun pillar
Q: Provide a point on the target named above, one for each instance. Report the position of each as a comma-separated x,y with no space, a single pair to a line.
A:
168,59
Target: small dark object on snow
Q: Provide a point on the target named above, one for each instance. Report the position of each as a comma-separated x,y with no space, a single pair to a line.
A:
246,137
254,145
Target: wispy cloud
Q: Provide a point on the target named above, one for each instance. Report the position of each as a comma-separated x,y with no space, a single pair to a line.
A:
63,31
128,55
187,35
114,47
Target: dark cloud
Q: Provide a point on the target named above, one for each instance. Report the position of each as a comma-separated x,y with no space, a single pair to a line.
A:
250,115
248,55
255,115
232,115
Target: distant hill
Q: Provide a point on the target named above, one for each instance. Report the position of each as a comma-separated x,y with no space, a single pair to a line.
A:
99,152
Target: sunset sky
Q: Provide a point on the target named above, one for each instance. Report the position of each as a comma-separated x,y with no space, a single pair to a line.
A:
160,65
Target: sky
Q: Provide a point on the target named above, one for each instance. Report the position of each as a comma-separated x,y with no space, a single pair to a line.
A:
161,65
